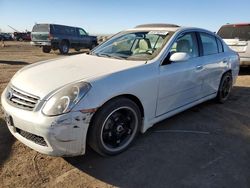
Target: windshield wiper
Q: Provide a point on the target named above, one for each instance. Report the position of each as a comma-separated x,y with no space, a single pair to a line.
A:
109,55
102,55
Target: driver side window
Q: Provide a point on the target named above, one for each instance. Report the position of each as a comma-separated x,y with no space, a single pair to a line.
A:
82,32
186,43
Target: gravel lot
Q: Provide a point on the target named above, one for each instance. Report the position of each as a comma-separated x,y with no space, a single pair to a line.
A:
206,146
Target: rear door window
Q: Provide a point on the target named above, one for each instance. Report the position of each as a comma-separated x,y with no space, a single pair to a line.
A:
241,32
70,30
209,44
58,29
220,46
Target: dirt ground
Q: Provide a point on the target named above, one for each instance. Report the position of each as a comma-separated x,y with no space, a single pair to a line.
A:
206,146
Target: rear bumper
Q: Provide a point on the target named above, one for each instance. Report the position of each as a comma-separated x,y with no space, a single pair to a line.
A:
244,61
40,43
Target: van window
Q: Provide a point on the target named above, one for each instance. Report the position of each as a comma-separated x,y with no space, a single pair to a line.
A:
58,29
241,32
82,32
69,30
41,28
209,44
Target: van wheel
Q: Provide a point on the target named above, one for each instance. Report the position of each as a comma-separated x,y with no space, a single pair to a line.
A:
224,88
114,127
46,49
64,47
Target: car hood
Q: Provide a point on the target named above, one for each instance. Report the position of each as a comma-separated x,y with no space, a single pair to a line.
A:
42,78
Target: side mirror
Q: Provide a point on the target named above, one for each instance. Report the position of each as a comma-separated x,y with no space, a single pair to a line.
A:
179,56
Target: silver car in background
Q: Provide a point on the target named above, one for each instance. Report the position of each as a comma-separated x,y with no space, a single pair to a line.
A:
237,37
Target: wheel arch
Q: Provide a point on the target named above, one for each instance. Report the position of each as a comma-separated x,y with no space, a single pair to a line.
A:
227,71
128,96
66,40
132,98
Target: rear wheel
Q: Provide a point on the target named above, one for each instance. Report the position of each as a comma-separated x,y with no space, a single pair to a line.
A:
114,126
64,47
46,49
225,87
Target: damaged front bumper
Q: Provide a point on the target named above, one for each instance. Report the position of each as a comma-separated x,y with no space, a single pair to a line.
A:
63,135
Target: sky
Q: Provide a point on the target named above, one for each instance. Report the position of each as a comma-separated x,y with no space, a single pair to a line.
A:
112,16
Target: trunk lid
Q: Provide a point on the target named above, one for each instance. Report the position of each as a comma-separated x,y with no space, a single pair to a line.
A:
237,45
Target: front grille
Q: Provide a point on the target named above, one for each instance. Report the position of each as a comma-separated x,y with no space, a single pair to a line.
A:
34,138
22,99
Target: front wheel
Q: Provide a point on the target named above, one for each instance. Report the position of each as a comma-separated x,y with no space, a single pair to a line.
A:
225,87
114,126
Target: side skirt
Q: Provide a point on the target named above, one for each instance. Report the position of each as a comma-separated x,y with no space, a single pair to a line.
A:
148,124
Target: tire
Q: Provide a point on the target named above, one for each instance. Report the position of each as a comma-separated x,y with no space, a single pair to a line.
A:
224,88
46,49
64,47
114,127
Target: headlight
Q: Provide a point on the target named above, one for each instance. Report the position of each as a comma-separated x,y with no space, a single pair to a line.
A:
65,99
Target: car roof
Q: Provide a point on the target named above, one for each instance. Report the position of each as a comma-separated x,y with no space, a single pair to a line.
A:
157,25
154,27
166,27
55,24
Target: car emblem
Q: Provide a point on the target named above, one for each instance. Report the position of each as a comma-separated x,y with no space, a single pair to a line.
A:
9,95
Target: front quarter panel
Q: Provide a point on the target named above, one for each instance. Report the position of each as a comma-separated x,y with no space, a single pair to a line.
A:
141,82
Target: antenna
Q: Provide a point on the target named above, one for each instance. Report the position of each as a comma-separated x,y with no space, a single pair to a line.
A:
14,29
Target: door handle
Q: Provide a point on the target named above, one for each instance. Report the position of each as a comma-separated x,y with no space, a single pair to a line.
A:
199,67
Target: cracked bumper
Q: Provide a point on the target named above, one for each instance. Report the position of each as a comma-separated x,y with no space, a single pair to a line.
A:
64,135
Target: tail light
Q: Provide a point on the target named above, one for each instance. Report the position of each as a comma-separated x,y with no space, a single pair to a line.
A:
50,37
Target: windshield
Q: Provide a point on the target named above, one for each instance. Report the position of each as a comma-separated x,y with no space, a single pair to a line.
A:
134,45
232,32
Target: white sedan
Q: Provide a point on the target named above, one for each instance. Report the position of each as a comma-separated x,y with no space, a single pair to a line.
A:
124,86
